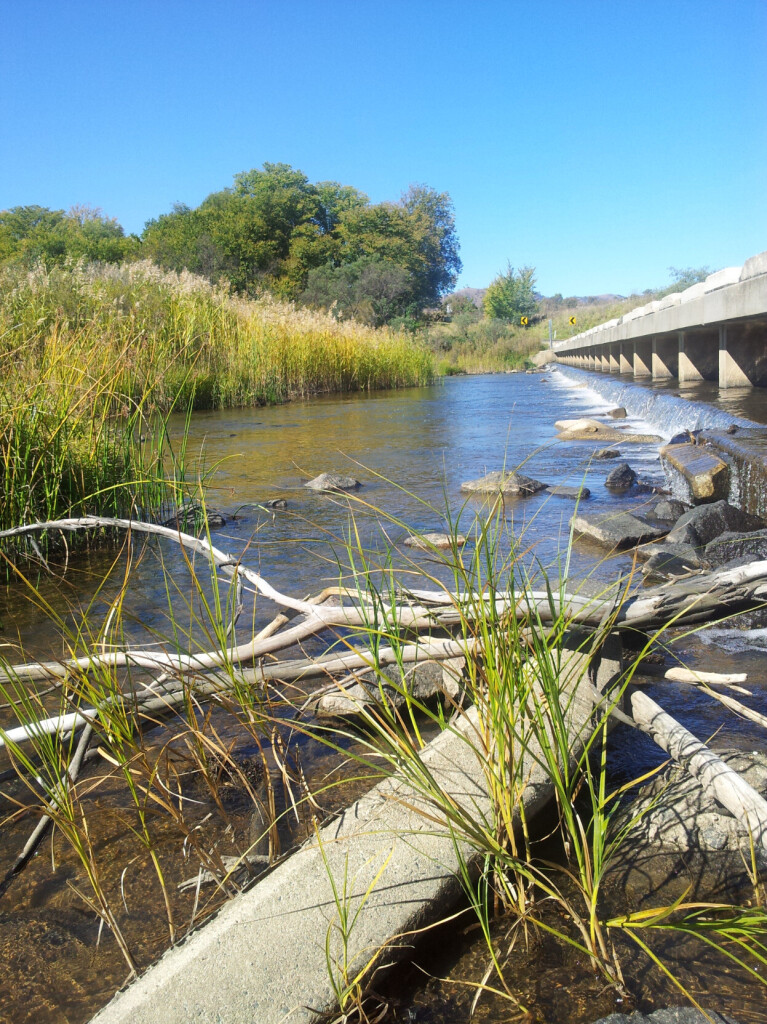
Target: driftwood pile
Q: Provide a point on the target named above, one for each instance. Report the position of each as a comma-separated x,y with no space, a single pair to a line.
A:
419,613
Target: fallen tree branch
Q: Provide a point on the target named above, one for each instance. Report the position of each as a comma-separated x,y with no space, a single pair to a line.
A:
38,833
679,674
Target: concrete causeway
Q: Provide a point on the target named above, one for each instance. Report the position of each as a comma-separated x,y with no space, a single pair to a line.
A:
262,958
715,330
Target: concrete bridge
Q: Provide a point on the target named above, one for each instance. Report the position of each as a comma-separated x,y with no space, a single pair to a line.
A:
715,330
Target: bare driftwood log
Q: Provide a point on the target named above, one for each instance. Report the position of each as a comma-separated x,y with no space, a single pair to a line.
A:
678,674
38,833
159,698
733,792
696,599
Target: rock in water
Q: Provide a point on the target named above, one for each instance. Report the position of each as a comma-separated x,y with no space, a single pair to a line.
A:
574,493
583,424
503,483
427,541
333,482
616,530
607,453
678,815
704,475
366,690
621,478
618,414
572,432
669,509
704,523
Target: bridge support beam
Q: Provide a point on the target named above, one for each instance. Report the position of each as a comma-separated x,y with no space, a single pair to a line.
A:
698,356
625,357
665,358
642,359
743,355
613,357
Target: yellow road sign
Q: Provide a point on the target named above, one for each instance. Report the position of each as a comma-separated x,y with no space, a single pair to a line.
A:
572,321
523,321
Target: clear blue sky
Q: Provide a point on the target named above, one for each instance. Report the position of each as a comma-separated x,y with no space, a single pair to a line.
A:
600,141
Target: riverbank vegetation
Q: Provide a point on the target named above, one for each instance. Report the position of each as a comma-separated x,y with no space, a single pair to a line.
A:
94,356
498,328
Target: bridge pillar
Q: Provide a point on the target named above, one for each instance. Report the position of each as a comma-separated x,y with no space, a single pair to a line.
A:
697,357
665,358
733,362
625,364
687,368
603,363
642,359
613,354
593,360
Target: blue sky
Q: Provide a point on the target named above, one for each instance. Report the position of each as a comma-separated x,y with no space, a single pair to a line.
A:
599,141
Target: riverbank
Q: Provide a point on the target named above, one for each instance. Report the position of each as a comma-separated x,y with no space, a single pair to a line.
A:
98,356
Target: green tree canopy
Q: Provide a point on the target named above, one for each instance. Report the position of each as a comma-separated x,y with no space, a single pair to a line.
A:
371,289
32,234
273,229
511,295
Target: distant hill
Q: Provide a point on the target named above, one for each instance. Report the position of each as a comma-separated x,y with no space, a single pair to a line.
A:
548,302
475,294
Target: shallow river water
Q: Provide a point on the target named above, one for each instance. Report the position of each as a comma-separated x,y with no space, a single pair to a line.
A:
411,450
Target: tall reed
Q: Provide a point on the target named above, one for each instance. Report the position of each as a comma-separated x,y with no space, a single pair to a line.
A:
92,359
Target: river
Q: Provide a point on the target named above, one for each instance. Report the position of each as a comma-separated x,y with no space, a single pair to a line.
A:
411,450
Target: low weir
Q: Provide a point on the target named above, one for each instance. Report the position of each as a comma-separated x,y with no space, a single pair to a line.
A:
739,442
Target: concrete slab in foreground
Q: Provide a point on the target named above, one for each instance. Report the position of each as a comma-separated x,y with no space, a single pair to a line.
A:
262,958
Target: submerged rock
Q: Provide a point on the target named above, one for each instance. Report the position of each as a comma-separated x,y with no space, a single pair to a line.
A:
618,414
621,478
678,815
575,493
427,541
501,482
333,482
672,1015
616,530
607,453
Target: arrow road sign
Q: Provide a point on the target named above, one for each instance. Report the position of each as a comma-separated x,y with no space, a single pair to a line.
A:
523,321
572,321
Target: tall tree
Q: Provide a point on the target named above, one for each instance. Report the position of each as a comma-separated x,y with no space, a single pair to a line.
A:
432,219
511,295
